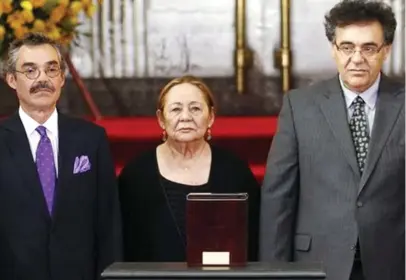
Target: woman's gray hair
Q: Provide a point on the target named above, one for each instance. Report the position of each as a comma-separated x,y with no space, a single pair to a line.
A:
31,39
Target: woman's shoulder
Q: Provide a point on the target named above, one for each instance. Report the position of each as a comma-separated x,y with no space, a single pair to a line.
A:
225,154
141,162
227,157
228,166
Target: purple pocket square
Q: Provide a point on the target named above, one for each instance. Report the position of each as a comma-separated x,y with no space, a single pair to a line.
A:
82,164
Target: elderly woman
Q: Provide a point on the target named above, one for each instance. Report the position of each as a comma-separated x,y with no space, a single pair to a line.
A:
153,187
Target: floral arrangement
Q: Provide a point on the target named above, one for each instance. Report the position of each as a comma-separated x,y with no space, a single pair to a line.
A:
58,19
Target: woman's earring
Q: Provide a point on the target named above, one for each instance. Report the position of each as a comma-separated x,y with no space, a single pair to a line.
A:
208,135
164,135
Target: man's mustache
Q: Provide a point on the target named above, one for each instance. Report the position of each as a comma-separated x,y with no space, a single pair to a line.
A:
42,86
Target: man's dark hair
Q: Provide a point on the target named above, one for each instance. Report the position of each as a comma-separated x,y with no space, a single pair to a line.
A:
354,11
31,39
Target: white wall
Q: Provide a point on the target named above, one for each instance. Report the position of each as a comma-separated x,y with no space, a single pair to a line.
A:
169,38
198,36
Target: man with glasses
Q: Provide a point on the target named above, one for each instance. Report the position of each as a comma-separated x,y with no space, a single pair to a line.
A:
58,198
334,189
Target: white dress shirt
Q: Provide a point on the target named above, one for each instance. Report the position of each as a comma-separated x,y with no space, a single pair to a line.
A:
33,136
369,96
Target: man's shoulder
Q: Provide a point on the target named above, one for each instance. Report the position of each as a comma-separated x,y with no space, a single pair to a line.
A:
3,124
10,123
312,89
5,121
80,125
396,85
305,97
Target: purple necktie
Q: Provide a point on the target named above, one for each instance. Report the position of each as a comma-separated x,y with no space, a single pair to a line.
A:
46,166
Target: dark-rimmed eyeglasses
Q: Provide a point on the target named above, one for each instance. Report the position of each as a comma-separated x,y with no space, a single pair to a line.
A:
365,51
34,72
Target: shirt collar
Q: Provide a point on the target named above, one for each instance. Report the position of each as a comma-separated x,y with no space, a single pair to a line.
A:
30,125
369,96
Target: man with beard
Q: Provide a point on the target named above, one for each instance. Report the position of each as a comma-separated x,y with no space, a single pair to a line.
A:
58,198
334,190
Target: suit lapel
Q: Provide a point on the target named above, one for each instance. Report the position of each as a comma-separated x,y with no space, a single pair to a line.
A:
388,107
333,106
22,160
67,146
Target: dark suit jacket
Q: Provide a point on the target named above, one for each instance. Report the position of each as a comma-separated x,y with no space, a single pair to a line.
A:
315,203
149,230
82,237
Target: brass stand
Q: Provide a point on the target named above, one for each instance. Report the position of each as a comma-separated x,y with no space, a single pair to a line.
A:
283,56
243,55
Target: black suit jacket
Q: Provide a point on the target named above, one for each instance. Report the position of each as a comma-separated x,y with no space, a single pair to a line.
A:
83,235
150,231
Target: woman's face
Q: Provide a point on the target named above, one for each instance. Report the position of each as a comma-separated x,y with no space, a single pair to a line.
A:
186,115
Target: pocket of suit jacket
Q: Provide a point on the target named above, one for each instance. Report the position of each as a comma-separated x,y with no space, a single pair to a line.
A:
303,242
